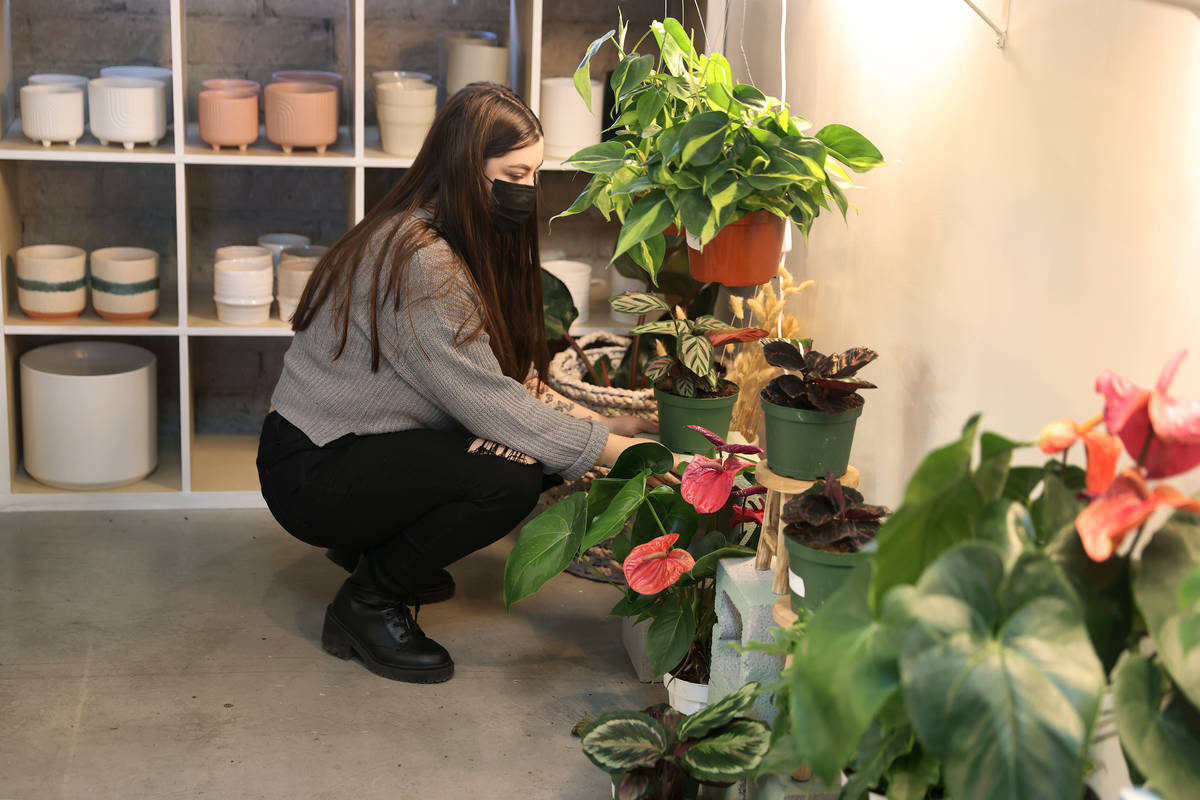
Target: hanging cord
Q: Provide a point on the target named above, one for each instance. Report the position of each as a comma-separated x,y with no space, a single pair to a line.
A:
783,50
742,45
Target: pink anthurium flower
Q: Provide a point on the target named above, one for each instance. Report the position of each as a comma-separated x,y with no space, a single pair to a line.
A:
653,566
747,515
707,482
1165,429
1126,504
1103,449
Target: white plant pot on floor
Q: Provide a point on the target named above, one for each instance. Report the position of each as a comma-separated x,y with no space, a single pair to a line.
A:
684,696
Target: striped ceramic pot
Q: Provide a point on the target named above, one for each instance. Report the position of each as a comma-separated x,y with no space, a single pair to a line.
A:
125,283
51,282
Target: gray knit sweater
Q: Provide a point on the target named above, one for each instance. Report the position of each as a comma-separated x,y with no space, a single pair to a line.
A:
424,380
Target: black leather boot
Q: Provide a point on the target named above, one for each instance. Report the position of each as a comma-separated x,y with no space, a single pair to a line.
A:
366,620
434,589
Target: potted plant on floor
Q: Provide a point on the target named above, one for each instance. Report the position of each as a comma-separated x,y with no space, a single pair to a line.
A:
970,653
827,527
720,160
811,410
687,379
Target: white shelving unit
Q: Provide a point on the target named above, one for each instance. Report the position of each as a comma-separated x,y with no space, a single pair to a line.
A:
205,470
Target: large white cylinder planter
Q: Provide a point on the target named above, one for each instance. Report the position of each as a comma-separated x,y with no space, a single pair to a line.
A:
51,281
124,283
684,696
577,275
128,110
89,414
160,74
566,121
470,58
52,112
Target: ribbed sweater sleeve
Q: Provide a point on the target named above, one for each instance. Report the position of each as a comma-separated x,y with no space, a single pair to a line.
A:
465,379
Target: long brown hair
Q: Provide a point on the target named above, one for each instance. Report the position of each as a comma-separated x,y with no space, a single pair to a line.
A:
482,121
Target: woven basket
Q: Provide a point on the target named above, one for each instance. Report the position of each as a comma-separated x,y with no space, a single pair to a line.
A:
566,373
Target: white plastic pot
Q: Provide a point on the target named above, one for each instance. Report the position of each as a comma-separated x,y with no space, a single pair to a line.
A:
577,275
246,279
52,112
51,281
89,414
684,696
128,110
243,311
124,283
278,242
566,121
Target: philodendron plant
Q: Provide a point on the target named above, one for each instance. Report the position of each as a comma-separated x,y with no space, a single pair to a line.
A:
660,754
815,381
695,149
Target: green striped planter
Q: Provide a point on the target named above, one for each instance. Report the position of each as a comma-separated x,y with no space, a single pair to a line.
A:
50,281
125,283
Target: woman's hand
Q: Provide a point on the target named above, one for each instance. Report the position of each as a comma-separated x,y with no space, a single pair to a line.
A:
630,426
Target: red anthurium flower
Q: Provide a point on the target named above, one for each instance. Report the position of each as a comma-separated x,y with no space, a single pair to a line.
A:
707,482
747,515
1103,450
1126,504
653,566
1171,426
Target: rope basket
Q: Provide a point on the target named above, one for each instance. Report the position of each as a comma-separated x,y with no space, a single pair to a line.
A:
566,378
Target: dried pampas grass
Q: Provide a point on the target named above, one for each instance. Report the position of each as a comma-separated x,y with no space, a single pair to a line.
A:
750,370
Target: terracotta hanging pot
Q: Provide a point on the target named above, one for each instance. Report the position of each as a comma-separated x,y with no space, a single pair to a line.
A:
744,253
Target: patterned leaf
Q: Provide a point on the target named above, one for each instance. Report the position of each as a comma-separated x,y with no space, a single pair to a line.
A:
684,386
843,384
696,353
706,323
623,741
719,713
811,509
715,440
633,786
783,354
729,754
657,369
638,303
849,362
720,338
667,326
586,197
791,386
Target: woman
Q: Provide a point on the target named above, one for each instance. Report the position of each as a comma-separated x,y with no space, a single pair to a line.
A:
400,427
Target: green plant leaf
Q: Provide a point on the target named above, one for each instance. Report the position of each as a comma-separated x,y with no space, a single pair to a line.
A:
582,77
586,198
678,53
1008,526
649,104
676,515
913,774
728,754
638,303
995,458
625,740
722,712
1057,506
671,634
1000,680
648,217
599,159
632,604
694,209
706,565
630,74
696,353
838,196
850,147
545,547
667,326
1159,578
749,96
646,456
876,753
558,309
1159,731
649,255
703,137
614,516
1021,482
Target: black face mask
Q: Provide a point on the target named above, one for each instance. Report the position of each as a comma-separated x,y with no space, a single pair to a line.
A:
512,203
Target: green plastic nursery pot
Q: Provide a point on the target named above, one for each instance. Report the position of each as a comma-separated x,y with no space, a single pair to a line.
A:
675,413
805,444
821,572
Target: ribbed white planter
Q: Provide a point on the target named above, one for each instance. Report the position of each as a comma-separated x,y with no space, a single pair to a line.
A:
52,112
160,74
124,283
129,111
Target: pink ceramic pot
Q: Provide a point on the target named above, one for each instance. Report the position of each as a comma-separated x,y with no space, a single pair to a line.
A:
229,117
302,115
308,76
230,83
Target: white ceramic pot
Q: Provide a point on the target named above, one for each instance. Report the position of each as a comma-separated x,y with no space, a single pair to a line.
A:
406,115
127,110
287,307
407,92
246,252
52,112
51,281
89,414
160,74
243,279
392,75
566,121
293,277
577,275
399,139
470,59
302,257
446,42
618,284
278,242
238,311
124,283
64,78
684,696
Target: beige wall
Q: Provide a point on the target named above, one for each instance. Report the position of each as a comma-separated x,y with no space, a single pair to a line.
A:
1040,220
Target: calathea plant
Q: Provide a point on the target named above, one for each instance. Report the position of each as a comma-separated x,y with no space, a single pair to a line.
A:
832,517
690,369
660,754
815,381
694,149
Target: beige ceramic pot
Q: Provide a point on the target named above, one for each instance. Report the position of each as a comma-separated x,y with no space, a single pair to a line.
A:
124,283
471,60
52,112
229,117
393,75
246,252
302,115
127,110
408,92
303,257
51,283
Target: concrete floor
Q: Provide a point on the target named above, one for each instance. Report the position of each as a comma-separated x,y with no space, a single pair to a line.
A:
177,655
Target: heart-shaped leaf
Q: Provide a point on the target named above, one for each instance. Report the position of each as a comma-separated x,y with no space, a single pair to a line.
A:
545,547
624,740
1161,738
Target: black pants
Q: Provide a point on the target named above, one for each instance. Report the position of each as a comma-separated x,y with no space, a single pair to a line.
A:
412,501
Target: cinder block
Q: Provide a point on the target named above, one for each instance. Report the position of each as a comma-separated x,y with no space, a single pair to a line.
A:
744,602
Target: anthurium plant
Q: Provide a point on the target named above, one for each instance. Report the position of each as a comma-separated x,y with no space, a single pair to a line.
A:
665,537
690,368
968,655
815,381
661,754
694,149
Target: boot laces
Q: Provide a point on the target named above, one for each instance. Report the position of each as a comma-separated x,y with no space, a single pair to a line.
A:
399,615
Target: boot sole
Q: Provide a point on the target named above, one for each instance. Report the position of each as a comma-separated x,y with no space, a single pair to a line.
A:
337,641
